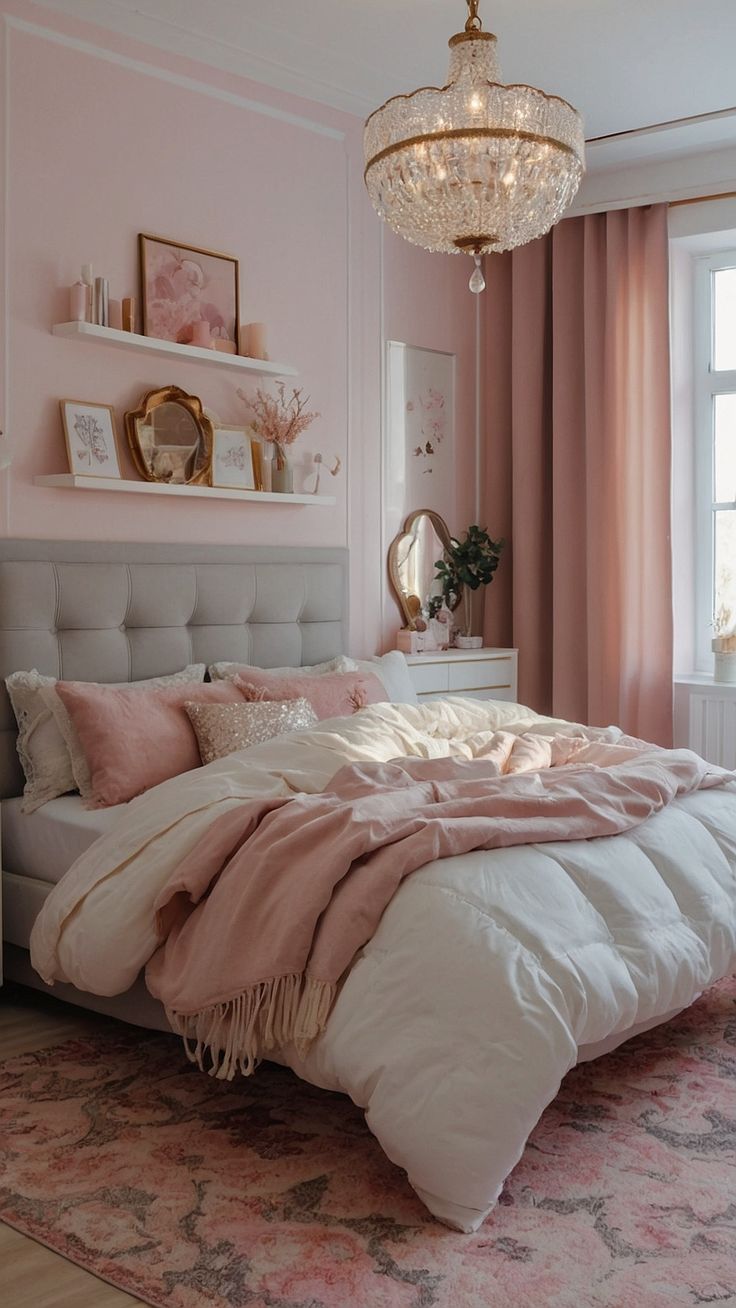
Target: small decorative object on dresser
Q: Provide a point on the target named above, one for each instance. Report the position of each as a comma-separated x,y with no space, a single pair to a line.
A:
89,430
232,458
182,285
278,421
466,568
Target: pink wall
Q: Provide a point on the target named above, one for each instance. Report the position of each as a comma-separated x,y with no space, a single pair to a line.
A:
106,138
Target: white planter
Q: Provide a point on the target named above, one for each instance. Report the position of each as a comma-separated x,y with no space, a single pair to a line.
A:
725,668
469,642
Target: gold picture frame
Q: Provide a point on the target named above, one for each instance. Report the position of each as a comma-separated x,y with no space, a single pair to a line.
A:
91,439
179,282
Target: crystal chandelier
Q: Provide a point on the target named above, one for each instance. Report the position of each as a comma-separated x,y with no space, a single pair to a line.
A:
475,166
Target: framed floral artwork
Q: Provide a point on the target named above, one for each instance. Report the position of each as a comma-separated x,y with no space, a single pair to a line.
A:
91,443
232,458
419,454
182,285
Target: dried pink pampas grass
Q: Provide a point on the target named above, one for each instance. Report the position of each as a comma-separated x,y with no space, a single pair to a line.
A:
279,420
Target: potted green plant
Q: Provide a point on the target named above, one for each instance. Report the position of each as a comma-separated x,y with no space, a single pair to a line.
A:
468,565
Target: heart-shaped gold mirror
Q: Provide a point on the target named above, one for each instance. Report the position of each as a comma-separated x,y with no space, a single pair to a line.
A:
412,557
170,438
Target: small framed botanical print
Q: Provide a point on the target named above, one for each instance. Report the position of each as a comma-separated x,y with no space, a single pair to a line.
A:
91,443
232,458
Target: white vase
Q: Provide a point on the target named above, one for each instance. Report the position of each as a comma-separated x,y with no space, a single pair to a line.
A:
725,668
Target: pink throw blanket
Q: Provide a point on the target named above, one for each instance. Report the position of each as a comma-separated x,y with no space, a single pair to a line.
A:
265,915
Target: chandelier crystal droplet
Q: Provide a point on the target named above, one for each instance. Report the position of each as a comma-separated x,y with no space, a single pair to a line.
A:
474,167
477,281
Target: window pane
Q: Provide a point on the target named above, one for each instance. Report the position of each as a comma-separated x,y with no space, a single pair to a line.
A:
724,295
725,451
725,596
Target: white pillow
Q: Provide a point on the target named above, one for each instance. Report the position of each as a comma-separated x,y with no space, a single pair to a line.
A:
393,670
48,748
228,671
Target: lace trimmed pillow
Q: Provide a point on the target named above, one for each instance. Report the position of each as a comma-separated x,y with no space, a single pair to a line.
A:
224,728
48,746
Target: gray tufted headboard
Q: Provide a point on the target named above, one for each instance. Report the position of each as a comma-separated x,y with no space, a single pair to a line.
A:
88,611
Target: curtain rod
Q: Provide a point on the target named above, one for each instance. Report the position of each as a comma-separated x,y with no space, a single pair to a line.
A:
703,199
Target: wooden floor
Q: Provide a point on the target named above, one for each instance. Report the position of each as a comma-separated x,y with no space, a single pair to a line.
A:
32,1276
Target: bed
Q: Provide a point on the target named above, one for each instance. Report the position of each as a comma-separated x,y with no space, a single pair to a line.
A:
489,974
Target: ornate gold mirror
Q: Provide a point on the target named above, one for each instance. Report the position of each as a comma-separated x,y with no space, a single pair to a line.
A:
411,562
170,438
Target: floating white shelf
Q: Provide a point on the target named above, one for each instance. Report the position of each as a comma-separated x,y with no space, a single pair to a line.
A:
69,481
89,331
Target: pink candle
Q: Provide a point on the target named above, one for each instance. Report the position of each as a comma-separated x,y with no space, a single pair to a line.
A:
78,302
201,334
257,340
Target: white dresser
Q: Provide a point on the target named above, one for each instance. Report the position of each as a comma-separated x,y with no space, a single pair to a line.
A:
472,673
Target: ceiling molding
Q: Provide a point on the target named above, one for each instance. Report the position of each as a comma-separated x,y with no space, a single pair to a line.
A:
308,61
177,79
681,136
655,181
228,57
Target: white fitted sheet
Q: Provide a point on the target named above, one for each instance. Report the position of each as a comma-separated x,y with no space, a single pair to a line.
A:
44,844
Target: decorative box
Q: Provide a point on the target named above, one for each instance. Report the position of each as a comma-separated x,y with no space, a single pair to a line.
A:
411,642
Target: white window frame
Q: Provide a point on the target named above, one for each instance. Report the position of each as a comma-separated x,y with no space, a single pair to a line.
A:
707,384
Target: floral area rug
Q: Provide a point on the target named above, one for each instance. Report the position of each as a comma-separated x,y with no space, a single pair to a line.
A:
267,1193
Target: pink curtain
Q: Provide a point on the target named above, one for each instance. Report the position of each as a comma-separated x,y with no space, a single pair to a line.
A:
577,392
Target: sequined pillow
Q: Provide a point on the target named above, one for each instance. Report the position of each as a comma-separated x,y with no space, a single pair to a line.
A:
222,728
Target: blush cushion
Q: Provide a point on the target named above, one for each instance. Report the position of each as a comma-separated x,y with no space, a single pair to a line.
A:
48,749
134,739
333,695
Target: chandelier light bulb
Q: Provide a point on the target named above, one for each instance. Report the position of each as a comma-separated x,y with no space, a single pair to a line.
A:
473,167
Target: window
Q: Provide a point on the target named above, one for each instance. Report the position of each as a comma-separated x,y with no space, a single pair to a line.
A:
715,422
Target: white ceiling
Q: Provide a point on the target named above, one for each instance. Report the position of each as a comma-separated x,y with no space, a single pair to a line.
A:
626,64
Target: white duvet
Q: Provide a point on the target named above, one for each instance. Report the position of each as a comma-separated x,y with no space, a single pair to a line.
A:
490,974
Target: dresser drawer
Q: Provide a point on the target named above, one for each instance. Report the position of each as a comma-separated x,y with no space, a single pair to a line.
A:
481,674
430,678
499,692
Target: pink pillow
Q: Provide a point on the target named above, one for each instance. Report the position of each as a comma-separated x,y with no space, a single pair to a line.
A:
133,739
333,695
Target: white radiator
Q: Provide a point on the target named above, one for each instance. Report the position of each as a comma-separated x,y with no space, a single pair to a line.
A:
712,725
